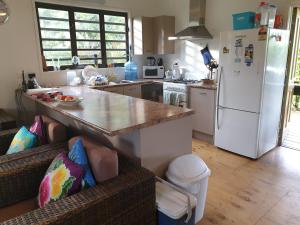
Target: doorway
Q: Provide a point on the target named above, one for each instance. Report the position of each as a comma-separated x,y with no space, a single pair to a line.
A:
290,124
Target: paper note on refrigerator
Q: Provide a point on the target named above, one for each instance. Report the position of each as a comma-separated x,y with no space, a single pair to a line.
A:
249,51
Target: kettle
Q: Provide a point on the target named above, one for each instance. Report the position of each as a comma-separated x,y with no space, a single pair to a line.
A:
160,62
169,75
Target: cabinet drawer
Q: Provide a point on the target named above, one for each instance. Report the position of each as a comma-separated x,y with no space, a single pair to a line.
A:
203,102
117,90
133,91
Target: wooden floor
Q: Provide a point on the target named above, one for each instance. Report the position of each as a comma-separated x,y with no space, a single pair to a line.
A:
292,139
243,191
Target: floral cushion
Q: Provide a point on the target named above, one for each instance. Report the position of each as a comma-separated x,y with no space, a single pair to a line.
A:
63,178
78,155
38,128
23,140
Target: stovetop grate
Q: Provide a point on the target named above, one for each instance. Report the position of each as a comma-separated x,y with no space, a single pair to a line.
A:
183,81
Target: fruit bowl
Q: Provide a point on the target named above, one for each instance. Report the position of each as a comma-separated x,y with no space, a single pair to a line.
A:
68,100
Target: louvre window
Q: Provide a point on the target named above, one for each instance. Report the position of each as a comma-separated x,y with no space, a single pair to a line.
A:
87,33
88,37
115,39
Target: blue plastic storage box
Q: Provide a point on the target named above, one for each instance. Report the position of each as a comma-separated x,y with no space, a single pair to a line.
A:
245,20
172,206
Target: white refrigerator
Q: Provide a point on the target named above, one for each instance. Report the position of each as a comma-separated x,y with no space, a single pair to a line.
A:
250,91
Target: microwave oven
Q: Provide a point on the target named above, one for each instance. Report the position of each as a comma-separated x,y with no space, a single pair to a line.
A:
153,72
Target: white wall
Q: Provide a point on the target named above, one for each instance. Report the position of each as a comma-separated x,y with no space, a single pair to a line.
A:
19,44
218,18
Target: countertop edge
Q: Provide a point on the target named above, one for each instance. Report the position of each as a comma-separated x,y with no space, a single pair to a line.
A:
151,123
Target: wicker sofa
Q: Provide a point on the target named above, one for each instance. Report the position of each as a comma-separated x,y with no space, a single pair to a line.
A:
6,121
6,138
20,173
128,199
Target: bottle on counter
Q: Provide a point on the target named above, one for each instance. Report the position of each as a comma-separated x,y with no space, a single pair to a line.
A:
177,73
131,69
264,13
96,61
272,15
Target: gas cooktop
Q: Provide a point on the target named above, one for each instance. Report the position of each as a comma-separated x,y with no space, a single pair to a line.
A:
183,81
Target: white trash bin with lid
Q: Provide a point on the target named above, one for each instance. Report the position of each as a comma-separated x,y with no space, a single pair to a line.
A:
191,173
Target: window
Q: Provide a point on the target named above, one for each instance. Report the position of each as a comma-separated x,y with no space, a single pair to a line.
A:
87,33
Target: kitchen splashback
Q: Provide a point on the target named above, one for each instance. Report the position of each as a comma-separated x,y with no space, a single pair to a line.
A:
190,59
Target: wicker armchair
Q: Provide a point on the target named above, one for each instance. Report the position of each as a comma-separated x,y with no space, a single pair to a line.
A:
56,133
128,199
6,121
21,173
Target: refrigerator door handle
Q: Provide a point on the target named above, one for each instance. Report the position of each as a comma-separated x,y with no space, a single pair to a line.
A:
218,97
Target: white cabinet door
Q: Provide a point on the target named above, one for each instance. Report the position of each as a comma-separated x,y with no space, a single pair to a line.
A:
117,90
203,102
133,91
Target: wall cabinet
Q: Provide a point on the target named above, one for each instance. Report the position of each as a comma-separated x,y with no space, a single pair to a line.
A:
150,35
203,101
164,27
143,35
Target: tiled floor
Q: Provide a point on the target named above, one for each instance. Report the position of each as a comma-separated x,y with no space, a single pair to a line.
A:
292,139
251,192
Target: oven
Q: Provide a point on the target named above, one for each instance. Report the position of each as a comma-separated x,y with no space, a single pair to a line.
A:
175,94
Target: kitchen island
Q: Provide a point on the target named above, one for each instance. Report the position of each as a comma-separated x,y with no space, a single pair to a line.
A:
150,133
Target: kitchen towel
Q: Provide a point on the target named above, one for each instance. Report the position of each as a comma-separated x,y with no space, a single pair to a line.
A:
167,98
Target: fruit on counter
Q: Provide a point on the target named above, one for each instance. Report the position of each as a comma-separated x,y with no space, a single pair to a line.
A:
66,98
55,94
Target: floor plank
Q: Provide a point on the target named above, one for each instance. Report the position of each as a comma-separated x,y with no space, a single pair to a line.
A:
251,192
292,139
286,211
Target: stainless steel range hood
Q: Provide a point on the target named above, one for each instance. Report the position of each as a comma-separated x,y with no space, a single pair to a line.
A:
196,29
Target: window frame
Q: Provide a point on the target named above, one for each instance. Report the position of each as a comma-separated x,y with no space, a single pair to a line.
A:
72,29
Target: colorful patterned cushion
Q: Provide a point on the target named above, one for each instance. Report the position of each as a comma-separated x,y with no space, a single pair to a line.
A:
78,155
63,178
38,128
23,140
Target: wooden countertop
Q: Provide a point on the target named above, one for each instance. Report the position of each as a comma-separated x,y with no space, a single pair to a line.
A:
204,86
115,114
150,81
137,82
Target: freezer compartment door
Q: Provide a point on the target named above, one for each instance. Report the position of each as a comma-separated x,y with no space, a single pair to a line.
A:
240,77
236,131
